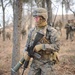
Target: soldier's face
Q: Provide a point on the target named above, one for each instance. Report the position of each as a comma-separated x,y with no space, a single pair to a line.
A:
37,19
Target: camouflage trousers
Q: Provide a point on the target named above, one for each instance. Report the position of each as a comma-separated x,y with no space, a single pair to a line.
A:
71,35
40,68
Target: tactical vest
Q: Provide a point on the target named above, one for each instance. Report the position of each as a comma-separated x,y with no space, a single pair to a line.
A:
45,55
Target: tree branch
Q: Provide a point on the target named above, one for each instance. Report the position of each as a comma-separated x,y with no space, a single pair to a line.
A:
70,8
7,4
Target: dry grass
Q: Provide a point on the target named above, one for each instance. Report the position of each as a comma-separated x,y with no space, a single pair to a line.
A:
66,65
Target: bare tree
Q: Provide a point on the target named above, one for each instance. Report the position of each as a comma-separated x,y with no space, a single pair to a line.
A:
70,4
49,9
30,25
3,9
62,4
66,9
17,14
43,3
38,3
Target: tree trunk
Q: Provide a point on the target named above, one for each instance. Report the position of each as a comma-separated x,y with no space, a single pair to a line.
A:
30,25
3,9
74,15
38,3
66,9
3,24
62,13
66,16
49,9
43,3
17,14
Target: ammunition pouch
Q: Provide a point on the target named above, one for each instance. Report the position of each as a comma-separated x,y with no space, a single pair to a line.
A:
54,57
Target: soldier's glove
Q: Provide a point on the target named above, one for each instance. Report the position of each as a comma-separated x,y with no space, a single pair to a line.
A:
26,56
39,47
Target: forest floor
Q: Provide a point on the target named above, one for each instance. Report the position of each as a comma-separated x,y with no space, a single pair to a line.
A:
66,66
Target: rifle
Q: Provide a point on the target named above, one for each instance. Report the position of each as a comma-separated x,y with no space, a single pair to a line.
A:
31,53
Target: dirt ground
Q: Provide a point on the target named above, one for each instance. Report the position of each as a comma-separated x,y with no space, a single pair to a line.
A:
66,66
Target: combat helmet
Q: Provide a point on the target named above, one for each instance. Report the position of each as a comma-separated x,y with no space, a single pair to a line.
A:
40,12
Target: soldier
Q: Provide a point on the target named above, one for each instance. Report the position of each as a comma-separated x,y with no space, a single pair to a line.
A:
69,32
56,24
47,47
59,25
67,27
72,30
8,35
0,32
73,25
23,33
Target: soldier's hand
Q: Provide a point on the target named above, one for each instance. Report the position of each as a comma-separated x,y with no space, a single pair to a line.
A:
26,56
37,48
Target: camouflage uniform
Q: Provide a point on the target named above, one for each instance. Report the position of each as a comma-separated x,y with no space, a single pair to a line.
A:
69,32
72,30
58,26
48,53
44,62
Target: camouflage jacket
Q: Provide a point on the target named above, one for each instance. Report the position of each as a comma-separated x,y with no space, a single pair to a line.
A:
51,35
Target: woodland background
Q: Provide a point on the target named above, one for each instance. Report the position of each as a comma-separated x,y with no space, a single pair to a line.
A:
13,34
